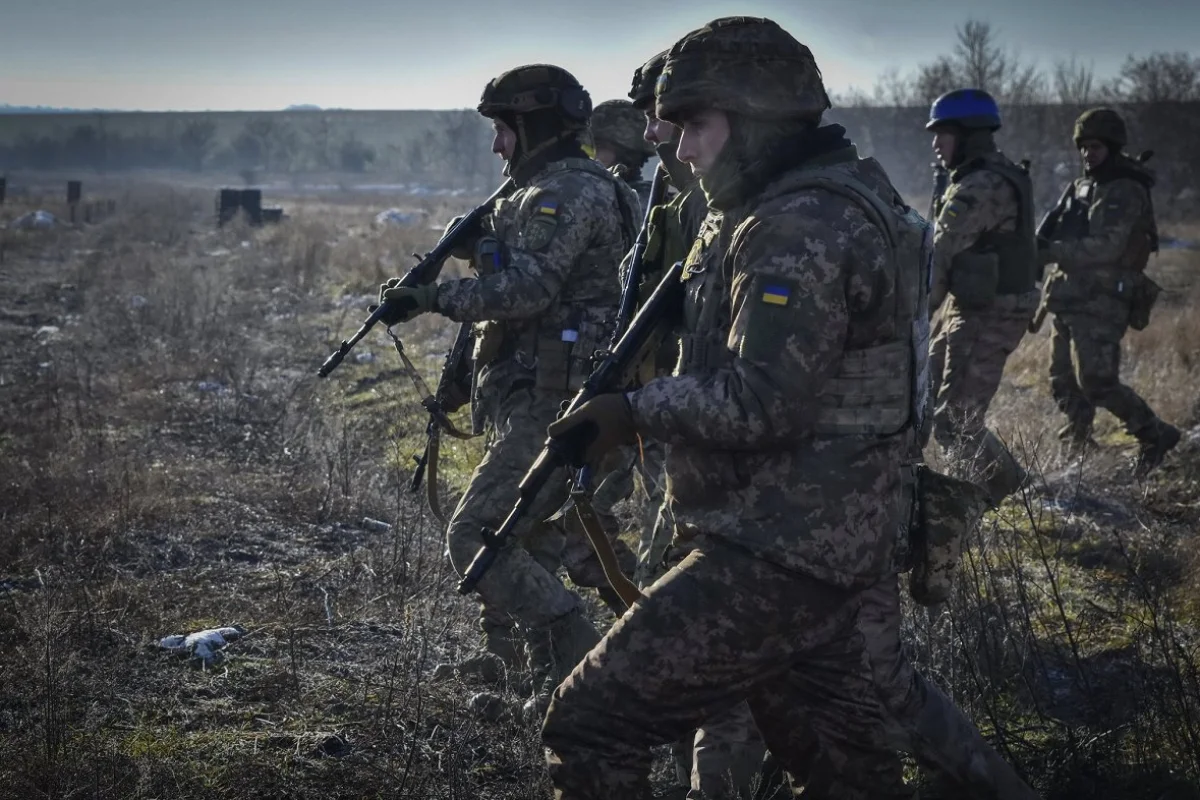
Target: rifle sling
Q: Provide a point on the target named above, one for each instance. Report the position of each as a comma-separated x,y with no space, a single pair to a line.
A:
431,476
625,588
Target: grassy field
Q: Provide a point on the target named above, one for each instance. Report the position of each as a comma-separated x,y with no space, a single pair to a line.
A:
170,462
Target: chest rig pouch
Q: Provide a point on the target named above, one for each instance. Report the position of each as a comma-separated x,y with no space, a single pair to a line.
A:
702,347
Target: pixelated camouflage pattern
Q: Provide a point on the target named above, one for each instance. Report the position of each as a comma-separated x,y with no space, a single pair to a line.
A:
721,628
1119,221
575,268
1100,123
519,586
947,509
971,345
1085,374
742,65
569,277
920,719
743,459
978,202
620,125
967,358
1090,291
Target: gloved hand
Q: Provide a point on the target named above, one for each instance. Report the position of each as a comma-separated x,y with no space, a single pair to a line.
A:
595,428
402,303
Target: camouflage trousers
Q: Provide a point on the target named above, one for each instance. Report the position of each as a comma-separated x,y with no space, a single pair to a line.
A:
1085,373
521,585
920,719
719,629
967,357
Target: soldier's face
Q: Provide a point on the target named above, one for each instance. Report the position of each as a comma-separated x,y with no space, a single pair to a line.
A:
1093,151
606,155
658,131
504,140
944,142
705,132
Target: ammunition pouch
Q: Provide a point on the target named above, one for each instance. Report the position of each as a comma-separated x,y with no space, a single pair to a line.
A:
489,255
974,278
946,510
565,357
489,338
1145,294
870,395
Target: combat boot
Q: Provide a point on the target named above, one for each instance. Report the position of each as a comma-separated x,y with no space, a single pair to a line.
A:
553,651
1076,440
501,661
1154,442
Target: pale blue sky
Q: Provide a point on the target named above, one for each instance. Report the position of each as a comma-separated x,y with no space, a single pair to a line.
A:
267,54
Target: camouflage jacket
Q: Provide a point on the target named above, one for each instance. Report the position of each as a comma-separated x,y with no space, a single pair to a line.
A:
784,288
979,202
563,235
1100,244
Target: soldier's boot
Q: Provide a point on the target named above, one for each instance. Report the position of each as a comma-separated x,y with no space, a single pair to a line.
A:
553,651
1154,442
501,661
1004,475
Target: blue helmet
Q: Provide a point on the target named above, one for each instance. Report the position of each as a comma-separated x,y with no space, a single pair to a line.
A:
967,108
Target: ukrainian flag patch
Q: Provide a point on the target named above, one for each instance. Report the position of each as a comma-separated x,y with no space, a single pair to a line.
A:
548,207
776,294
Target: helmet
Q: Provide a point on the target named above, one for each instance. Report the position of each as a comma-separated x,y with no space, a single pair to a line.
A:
644,78
535,87
742,65
967,108
1101,123
618,124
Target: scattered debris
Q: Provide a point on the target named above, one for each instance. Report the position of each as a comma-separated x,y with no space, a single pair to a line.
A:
375,525
365,357
213,387
203,645
35,220
137,301
396,216
46,334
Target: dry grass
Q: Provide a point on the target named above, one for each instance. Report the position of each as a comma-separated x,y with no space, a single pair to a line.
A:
168,462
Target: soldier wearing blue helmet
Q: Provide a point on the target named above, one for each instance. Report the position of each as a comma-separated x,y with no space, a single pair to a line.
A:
985,265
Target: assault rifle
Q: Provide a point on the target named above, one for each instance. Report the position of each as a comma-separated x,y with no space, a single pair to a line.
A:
425,271
614,373
941,179
633,278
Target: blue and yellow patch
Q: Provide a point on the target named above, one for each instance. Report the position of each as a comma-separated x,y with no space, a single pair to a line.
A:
776,294
548,207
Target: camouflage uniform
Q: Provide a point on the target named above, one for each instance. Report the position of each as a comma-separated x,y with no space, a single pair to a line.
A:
985,257
618,125
1100,246
558,240
789,285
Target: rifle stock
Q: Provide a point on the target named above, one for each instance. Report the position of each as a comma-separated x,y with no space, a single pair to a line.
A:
425,271
613,373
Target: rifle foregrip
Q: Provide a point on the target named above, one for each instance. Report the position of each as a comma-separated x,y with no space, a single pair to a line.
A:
479,566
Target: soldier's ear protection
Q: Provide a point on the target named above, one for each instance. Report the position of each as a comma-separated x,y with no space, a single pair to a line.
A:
574,102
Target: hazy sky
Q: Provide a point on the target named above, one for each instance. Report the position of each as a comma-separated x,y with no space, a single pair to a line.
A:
267,54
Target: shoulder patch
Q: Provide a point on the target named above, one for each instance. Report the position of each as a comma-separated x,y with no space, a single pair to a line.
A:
541,223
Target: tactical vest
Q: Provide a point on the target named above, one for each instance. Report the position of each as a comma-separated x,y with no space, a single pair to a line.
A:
560,344
877,391
1073,224
1016,251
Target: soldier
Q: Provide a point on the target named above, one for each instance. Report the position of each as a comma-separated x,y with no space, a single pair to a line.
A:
617,132
985,258
723,757
545,295
1100,245
787,487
